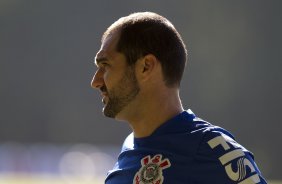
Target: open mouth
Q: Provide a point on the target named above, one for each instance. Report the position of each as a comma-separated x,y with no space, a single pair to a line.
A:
104,98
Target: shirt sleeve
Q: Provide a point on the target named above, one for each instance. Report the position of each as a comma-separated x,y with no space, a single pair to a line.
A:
220,159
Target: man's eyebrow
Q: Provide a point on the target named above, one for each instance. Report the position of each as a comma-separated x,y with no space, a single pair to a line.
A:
99,60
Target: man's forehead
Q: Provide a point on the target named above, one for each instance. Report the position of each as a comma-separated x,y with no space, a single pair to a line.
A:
108,45
110,41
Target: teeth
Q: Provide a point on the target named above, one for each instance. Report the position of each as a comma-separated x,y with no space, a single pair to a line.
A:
104,100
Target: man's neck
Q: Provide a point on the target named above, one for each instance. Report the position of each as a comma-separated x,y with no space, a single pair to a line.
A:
153,111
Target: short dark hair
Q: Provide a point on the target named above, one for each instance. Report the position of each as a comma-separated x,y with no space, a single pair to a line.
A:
149,33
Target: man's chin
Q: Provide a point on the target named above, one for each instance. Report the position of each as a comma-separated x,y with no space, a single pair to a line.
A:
108,113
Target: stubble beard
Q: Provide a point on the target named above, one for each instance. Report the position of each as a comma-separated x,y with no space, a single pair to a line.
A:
122,94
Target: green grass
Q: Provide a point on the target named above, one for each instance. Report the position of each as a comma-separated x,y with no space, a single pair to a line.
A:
25,179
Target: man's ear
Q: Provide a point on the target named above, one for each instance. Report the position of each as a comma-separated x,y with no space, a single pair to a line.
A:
148,64
147,67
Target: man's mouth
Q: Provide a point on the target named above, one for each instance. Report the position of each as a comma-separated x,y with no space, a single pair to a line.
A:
104,97
104,94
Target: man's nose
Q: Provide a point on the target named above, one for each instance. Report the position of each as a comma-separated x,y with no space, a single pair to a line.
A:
97,81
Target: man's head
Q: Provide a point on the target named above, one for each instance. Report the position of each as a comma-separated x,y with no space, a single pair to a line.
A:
139,46
149,33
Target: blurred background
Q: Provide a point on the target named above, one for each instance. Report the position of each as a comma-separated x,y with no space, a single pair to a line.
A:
51,125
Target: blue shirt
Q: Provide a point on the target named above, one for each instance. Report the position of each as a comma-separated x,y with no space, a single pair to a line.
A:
185,150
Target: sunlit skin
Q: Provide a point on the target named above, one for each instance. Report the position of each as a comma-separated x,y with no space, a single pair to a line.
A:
115,79
148,102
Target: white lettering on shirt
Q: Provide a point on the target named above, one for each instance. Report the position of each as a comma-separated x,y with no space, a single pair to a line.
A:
241,164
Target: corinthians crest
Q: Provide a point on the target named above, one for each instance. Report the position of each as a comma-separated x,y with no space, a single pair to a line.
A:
151,171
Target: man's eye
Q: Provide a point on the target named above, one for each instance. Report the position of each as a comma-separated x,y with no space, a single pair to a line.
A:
104,64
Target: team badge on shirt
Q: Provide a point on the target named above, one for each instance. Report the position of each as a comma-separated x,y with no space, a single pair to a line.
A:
151,171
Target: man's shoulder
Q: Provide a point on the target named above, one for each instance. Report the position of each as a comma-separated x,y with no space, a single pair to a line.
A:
186,138
199,131
217,153
187,131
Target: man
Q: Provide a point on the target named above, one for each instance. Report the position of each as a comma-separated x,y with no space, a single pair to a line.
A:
140,66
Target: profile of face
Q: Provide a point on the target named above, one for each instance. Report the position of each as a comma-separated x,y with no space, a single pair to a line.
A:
121,94
114,78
